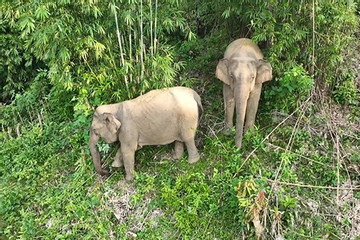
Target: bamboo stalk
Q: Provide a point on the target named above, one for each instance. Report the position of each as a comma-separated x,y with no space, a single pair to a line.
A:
135,41
22,121
18,130
40,121
9,133
130,41
141,42
130,53
120,44
155,26
313,39
151,30
119,38
124,48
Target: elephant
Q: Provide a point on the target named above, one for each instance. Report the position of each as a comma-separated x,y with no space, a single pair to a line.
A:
158,117
242,70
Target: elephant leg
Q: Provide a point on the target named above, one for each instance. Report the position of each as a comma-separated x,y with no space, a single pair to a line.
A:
229,106
192,150
179,150
118,161
252,106
128,156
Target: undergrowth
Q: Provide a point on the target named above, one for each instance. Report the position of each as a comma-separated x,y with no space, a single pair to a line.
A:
269,187
296,176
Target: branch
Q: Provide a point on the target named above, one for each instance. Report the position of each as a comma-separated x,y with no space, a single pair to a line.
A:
313,186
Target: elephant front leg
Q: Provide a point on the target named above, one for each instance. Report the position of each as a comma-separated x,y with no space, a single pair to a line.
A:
128,155
252,106
192,150
118,161
129,160
229,103
179,150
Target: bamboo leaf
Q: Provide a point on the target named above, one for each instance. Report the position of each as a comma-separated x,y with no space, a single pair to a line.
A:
99,49
42,13
27,25
64,54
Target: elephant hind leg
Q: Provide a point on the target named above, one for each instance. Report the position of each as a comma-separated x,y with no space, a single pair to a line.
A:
179,150
194,155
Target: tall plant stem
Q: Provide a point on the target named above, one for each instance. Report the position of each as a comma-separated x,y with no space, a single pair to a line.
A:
130,50
155,25
120,44
151,29
141,42
313,39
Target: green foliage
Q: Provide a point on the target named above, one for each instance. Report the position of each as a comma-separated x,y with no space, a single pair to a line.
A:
185,199
346,92
293,87
59,59
285,33
84,51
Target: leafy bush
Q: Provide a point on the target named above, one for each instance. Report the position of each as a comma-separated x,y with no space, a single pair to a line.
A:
185,199
84,51
346,92
59,59
290,89
287,36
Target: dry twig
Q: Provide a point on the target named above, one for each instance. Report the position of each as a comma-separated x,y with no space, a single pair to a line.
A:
314,186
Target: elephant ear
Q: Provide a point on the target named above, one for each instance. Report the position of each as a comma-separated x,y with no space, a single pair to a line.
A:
111,123
222,71
264,71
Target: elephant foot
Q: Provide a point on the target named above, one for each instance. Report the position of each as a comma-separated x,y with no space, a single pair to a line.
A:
238,143
103,173
129,177
227,131
194,159
178,151
117,164
176,156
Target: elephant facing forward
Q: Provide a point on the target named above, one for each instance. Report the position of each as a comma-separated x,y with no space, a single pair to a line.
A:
158,117
242,70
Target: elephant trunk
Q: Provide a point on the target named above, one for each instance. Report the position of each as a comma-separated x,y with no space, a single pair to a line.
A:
241,98
95,154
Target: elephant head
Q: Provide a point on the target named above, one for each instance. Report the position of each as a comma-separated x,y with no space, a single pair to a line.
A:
243,76
106,126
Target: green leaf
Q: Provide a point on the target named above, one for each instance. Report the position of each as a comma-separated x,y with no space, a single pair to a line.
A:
226,13
27,25
64,54
42,13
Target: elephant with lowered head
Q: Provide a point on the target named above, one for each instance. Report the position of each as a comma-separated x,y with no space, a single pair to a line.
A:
242,70
158,117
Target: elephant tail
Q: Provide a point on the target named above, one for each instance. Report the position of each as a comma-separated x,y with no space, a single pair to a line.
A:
198,101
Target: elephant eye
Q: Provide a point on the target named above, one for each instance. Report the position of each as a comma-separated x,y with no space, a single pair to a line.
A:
96,131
